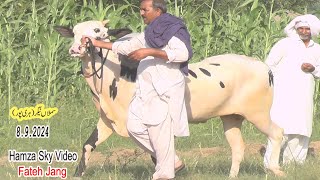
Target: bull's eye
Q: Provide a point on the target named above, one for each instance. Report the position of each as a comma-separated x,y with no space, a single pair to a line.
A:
96,30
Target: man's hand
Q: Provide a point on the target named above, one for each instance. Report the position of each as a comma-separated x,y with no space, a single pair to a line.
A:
86,39
95,43
307,67
139,54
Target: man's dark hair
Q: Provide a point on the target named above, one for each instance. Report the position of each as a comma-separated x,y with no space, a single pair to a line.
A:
161,4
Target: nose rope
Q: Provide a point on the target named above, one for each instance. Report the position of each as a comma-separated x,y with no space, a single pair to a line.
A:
90,48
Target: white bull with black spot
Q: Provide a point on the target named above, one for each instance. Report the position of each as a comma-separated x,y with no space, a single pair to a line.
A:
234,87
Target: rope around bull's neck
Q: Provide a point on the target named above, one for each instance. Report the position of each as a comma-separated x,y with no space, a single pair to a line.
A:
90,48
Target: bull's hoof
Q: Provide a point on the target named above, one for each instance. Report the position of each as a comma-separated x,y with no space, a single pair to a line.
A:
262,151
233,175
277,172
78,173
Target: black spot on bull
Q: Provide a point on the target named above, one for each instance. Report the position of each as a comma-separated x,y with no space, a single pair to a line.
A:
205,71
113,90
91,142
222,85
192,74
270,78
215,64
128,68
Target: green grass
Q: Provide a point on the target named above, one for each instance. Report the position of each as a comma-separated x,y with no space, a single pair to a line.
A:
75,121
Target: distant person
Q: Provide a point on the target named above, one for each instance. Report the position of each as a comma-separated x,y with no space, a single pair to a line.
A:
295,63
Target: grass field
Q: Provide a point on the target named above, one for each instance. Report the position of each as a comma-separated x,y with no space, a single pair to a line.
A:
205,152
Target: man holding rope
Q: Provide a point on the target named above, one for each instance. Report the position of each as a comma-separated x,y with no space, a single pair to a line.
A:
157,112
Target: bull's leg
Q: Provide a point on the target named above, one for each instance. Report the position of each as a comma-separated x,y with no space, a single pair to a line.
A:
232,125
275,134
100,134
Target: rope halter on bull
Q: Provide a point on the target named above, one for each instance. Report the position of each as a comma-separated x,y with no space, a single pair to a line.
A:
91,50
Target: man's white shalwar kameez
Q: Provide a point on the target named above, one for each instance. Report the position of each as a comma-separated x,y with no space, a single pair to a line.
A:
157,111
292,107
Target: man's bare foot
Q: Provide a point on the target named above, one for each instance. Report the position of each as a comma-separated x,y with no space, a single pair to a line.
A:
178,166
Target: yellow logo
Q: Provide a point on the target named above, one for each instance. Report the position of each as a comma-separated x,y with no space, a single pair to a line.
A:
28,113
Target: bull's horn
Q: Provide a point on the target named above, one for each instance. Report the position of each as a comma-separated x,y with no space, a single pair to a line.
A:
104,22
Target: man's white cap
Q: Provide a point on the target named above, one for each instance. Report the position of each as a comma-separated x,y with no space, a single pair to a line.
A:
307,20
301,24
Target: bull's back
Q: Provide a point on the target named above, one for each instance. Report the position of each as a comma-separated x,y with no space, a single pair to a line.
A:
221,85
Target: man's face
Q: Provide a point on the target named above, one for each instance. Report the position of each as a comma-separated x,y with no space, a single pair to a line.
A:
147,12
304,33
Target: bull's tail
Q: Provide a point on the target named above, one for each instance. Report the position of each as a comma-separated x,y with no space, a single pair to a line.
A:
270,78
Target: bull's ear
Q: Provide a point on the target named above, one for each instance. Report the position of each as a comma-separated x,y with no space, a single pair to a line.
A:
118,33
104,22
64,31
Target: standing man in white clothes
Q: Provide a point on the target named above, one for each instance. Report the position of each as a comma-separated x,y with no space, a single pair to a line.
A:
157,112
295,63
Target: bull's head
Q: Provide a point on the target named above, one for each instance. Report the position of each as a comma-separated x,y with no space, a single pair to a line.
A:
94,29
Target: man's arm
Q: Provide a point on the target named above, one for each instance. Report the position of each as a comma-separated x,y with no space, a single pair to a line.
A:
119,47
142,53
316,71
275,55
313,68
96,43
176,51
